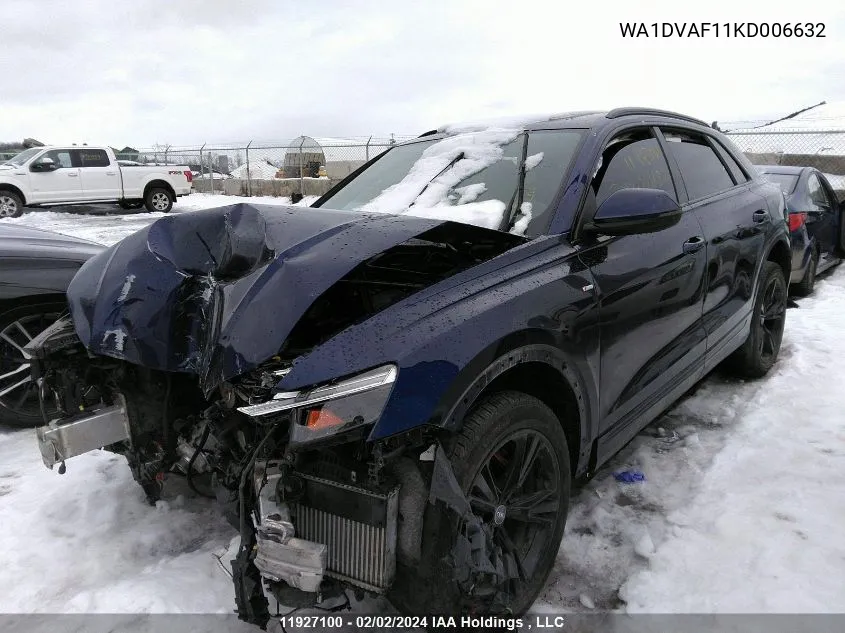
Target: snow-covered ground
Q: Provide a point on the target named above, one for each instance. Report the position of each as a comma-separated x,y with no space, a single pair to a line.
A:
741,510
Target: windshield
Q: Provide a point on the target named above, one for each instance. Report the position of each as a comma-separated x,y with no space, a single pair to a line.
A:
20,159
787,182
498,179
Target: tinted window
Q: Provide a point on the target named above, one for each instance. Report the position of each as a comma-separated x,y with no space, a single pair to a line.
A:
93,158
633,160
702,171
736,171
59,156
787,182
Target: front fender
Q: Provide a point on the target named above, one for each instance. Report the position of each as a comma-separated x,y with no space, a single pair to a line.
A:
444,341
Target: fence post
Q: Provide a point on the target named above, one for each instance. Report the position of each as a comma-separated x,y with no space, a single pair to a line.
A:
367,152
248,179
202,162
166,149
301,170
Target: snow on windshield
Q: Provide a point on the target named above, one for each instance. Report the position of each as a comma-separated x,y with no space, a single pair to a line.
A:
430,188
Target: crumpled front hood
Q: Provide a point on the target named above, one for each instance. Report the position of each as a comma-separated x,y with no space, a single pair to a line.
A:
216,292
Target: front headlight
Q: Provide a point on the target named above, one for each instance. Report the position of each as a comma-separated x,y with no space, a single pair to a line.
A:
332,408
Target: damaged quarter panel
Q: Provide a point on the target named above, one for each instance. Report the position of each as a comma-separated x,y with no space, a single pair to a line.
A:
446,335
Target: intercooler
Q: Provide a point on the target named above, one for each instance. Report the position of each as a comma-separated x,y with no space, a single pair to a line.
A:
357,525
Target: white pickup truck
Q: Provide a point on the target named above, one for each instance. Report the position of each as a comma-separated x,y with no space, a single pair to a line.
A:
80,175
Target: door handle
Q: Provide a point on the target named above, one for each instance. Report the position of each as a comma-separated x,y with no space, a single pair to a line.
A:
110,173
73,174
693,244
760,216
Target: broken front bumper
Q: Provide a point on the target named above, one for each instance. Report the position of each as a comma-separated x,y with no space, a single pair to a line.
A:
62,439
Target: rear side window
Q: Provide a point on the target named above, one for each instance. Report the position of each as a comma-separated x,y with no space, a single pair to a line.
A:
93,158
703,172
733,166
787,182
633,160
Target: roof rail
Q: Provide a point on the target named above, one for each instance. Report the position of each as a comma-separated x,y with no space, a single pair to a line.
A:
620,112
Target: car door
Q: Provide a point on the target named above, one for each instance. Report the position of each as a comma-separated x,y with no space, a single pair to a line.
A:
100,178
649,288
822,219
734,220
58,185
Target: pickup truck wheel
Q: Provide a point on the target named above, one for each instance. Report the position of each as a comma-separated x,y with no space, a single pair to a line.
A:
512,464
760,351
158,200
11,205
19,404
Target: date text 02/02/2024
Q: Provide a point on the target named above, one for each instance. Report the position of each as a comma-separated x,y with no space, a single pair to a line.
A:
408,623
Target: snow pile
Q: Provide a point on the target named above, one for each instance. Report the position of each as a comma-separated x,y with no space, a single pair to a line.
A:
425,190
110,229
87,542
258,170
762,534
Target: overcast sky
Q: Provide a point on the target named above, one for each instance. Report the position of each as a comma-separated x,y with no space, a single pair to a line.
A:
140,72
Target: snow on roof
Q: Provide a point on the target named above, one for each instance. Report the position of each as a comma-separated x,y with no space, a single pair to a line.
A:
510,122
258,170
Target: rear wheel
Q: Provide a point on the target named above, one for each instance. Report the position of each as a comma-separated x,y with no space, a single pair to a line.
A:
760,351
11,205
512,463
19,405
805,287
159,199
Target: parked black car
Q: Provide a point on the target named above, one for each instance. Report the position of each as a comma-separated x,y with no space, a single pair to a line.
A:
387,399
816,223
35,269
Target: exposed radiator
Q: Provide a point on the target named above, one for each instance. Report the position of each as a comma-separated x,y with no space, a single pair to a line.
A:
358,527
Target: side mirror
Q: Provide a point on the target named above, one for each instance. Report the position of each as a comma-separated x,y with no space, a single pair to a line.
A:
44,164
634,211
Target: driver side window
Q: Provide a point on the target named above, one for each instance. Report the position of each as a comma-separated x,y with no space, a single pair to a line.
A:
632,160
60,157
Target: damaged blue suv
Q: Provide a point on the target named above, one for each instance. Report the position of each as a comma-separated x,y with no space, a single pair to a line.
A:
392,392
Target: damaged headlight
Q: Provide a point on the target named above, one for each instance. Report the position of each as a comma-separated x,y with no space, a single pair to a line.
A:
334,408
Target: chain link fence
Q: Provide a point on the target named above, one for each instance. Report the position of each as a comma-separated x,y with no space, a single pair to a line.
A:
305,166
823,149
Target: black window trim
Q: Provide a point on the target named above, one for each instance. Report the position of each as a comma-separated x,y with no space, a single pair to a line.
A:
710,140
725,152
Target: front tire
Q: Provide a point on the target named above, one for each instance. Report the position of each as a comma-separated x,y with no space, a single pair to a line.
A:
159,200
756,356
19,404
11,205
512,462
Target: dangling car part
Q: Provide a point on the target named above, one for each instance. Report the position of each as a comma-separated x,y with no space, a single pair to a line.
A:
384,400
